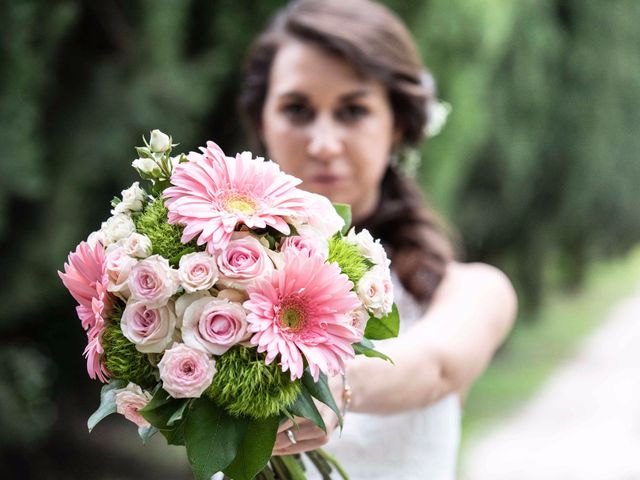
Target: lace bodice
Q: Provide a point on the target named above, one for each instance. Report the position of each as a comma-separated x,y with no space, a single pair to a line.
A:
418,444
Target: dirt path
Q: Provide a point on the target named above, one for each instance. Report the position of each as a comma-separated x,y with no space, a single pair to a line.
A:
585,422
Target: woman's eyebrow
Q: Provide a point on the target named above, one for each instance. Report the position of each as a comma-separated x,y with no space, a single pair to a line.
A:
293,94
347,97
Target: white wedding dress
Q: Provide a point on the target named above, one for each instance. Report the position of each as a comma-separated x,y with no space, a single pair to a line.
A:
420,444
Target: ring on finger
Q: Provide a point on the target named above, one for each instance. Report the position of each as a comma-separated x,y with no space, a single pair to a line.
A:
291,436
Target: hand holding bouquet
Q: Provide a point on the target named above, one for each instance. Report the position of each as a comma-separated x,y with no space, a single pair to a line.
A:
218,298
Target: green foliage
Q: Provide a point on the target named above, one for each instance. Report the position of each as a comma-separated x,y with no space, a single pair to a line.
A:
122,358
346,255
212,438
107,402
255,450
245,386
385,327
165,238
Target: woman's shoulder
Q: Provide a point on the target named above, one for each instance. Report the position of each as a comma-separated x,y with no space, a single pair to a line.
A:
476,278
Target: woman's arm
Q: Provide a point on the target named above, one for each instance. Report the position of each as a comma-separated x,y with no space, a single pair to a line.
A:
471,313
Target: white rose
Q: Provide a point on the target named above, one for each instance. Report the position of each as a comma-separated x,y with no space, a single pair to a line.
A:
375,291
320,216
150,329
368,247
358,319
146,165
197,271
132,200
118,265
138,245
160,142
117,227
95,237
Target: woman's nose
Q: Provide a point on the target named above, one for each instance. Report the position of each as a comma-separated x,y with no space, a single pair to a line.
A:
325,142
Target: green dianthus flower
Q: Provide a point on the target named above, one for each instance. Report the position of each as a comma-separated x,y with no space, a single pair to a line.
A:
245,386
346,255
165,238
121,357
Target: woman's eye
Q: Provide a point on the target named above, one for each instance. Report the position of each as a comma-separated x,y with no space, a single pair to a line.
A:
298,112
350,113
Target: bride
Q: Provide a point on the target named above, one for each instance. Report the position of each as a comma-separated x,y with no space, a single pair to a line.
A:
333,89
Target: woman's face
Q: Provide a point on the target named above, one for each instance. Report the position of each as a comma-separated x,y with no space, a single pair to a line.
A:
327,126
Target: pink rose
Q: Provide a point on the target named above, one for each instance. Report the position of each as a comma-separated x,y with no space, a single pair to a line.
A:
243,261
315,245
153,281
129,401
214,325
375,290
118,266
197,271
186,372
151,329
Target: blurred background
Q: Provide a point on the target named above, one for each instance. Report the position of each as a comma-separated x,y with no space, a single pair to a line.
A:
537,169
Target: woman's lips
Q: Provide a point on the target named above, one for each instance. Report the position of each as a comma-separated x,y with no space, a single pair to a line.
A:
327,179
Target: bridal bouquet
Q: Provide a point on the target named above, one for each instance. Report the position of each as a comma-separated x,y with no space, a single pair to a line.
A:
217,299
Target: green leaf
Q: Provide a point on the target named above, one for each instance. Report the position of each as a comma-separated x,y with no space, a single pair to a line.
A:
175,436
107,402
321,391
255,450
146,433
304,407
344,210
162,408
178,414
367,350
385,327
212,437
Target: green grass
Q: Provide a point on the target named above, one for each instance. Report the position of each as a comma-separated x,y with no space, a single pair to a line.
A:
536,348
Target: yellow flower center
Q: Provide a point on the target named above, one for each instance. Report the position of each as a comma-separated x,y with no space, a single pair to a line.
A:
237,203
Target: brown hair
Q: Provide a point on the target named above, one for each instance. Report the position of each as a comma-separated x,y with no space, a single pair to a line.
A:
378,45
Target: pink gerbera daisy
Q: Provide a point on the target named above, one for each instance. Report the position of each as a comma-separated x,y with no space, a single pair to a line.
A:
303,310
86,279
212,194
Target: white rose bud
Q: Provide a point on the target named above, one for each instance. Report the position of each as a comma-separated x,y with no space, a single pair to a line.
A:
117,227
138,245
160,142
132,200
147,166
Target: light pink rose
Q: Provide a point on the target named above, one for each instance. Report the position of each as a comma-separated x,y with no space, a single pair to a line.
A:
138,245
129,401
153,281
313,245
197,271
358,319
185,300
150,329
186,372
375,290
243,261
214,325
118,265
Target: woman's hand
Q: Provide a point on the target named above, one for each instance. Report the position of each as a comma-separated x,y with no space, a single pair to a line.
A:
308,435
